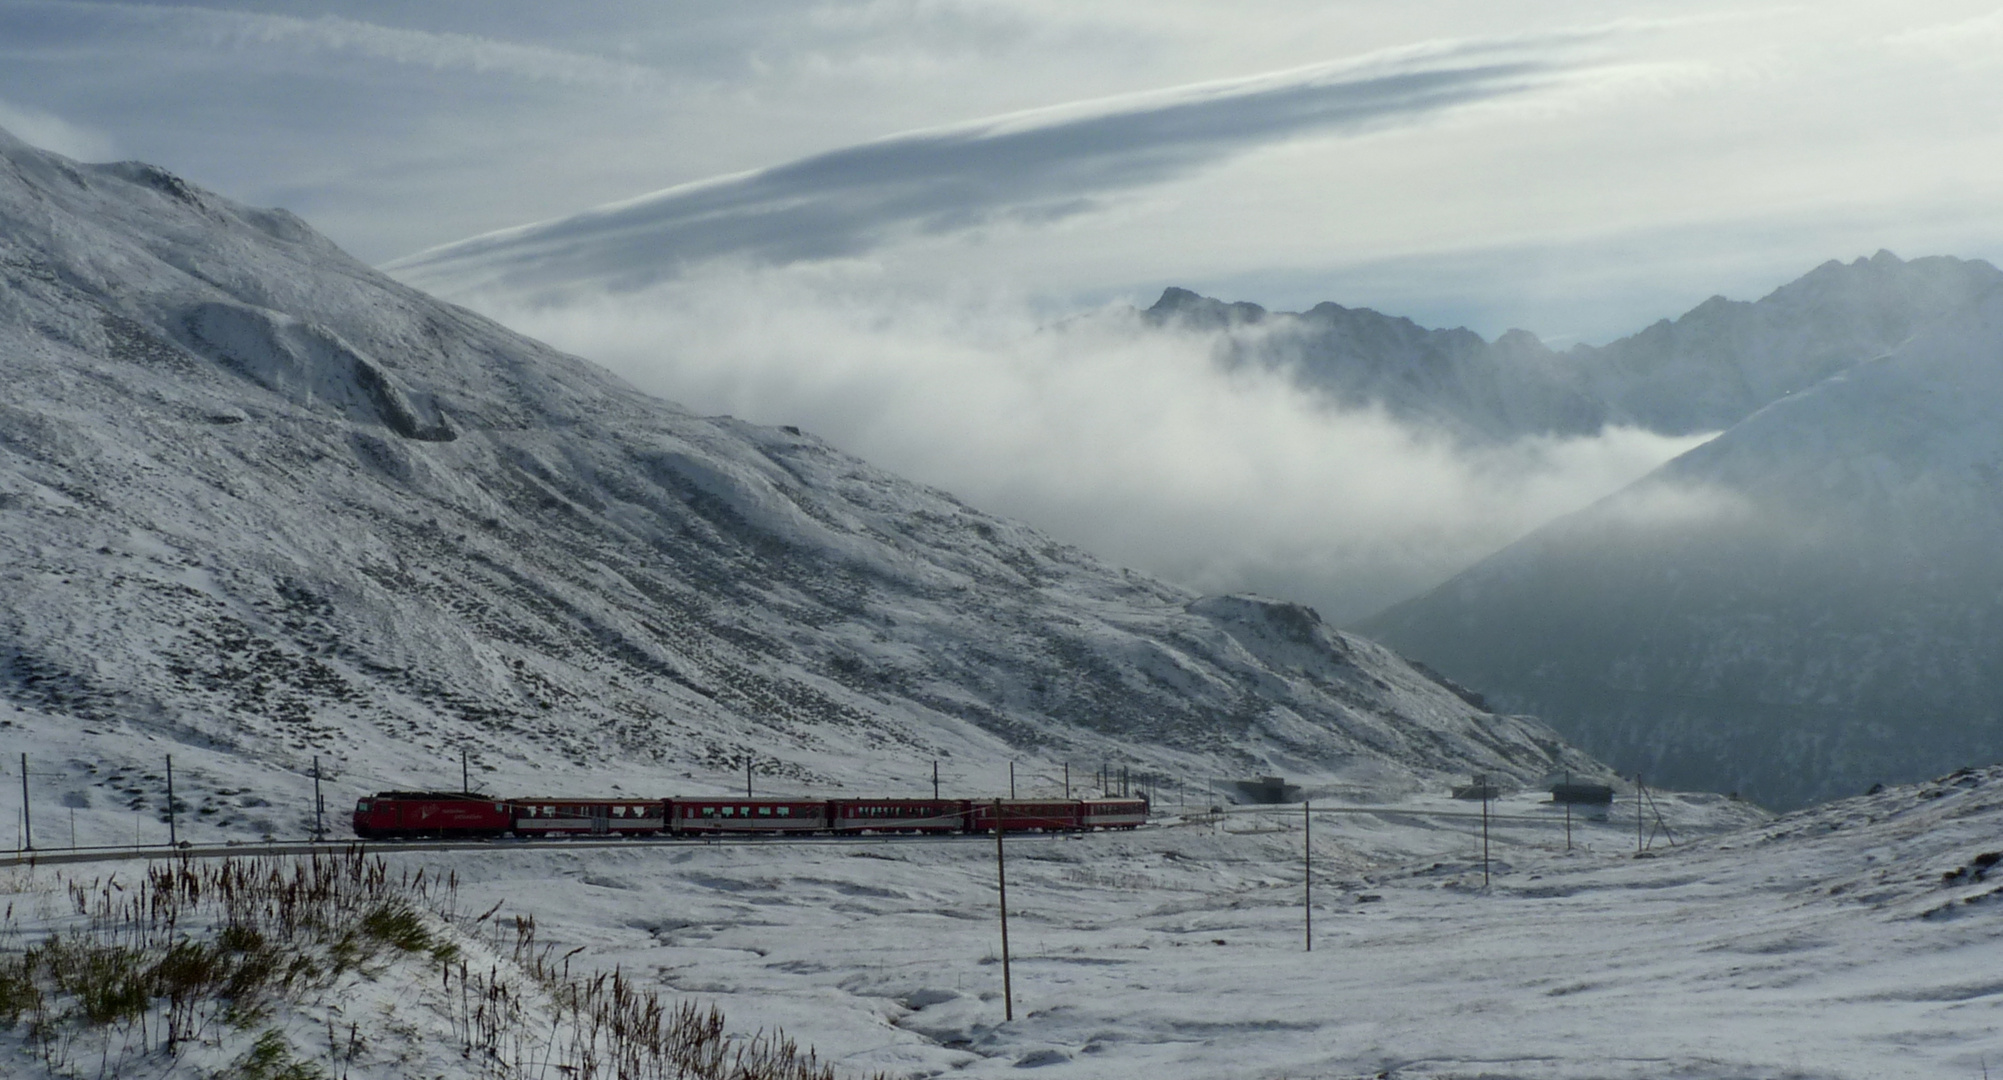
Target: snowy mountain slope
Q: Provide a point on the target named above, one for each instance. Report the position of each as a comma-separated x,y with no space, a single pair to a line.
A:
1808,604
260,501
1725,359
1707,370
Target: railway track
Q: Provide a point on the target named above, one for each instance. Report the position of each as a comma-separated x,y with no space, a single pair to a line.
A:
65,856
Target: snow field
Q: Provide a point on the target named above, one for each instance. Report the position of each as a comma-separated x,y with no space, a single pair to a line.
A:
1750,954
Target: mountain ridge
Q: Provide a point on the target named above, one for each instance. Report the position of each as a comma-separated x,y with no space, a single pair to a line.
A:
1705,370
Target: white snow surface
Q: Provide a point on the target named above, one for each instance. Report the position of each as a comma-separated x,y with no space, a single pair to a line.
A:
1831,944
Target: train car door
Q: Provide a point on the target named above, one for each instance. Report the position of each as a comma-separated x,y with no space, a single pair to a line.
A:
601,819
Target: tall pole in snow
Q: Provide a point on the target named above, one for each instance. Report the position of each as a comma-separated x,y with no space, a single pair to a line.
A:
1482,779
27,826
173,834
465,776
1568,811
935,778
747,778
1307,864
1637,813
1011,779
1067,779
1001,890
319,805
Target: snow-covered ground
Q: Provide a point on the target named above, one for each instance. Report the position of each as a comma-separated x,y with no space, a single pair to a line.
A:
1824,944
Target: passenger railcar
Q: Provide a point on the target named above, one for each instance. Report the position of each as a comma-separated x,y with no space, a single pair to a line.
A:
897,815
708,817
588,817
1114,813
1025,815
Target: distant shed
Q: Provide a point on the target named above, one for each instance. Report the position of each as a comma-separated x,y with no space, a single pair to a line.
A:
1572,791
1266,789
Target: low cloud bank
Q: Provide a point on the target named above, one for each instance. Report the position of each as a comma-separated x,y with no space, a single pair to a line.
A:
1131,444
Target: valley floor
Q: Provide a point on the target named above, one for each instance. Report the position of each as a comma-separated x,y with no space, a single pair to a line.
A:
1823,944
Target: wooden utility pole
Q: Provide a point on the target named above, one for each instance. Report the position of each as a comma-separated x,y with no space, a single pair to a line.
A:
1637,813
1011,779
1067,779
935,778
1483,781
27,825
465,775
173,834
747,778
1307,864
319,805
1568,810
1001,889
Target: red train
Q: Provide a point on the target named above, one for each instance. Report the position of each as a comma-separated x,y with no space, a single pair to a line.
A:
392,815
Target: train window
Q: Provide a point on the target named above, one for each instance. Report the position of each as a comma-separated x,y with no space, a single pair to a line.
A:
362,807
764,811
785,811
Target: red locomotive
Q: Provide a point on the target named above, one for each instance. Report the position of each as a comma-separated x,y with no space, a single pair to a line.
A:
431,813
393,815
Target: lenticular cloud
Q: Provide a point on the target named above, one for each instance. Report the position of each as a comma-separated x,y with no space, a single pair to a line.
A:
1036,166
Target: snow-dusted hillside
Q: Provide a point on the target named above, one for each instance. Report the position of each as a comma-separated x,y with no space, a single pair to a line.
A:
261,502
1810,603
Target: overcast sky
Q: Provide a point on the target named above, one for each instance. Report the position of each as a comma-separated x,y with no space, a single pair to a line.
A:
1621,162
813,202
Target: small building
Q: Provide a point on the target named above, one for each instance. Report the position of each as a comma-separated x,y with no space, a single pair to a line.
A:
1482,788
1579,792
1267,789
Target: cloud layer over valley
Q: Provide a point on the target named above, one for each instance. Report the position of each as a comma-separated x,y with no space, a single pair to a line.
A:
1137,446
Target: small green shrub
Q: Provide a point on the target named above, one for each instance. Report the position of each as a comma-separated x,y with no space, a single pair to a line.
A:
397,926
238,938
18,992
106,981
270,1058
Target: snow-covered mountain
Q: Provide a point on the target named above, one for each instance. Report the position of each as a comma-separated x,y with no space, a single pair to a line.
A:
1806,605
1450,380
1705,371
258,498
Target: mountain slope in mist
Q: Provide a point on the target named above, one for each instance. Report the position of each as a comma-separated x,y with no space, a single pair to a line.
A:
259,499
1806,605
1705,371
